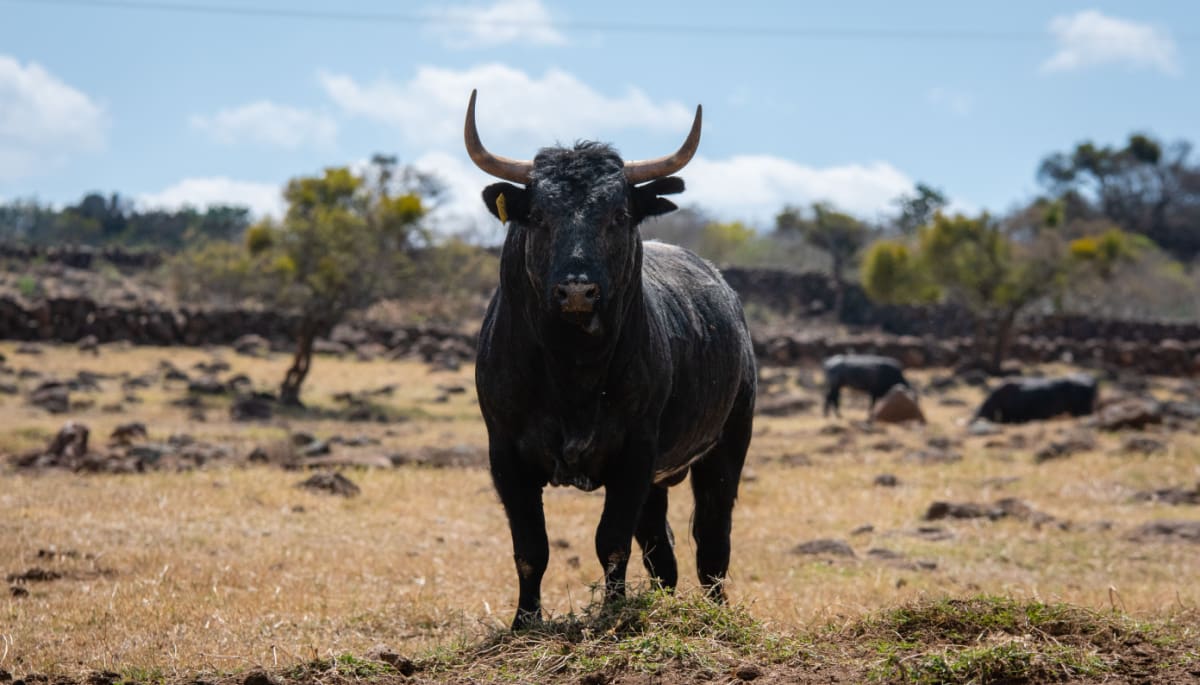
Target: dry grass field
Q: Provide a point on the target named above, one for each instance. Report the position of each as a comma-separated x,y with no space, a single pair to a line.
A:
216,572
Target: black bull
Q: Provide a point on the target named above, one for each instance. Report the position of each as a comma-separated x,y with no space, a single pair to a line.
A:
1031,399
607,362
871,374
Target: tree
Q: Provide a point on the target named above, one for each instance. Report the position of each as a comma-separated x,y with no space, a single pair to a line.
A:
1143,187
973,262
341,244
839,235
918,209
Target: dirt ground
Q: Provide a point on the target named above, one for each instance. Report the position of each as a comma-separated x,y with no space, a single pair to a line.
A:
179,571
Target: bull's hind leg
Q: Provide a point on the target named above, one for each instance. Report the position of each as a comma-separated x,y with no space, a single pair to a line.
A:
715,485
656,540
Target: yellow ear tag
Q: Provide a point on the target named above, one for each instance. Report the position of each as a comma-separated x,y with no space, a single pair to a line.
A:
501,211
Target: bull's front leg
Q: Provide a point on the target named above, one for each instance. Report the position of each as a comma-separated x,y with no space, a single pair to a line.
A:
627,484
521,494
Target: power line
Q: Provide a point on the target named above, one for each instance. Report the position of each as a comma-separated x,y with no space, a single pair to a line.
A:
811,32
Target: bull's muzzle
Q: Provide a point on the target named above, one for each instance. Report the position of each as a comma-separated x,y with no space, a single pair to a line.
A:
577,297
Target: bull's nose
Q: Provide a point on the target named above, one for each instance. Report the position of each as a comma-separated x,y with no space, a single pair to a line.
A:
574,296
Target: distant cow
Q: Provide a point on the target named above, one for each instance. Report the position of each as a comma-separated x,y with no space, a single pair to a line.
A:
1019,400
606,362
869,373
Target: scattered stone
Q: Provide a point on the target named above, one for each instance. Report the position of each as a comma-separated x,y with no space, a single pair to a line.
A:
1175,496
899,405
212,367
785,405
252,345
34,575
17,592
1133,413
331,482
89,343
942,383
959,510
933,457
747,672
824,546
52,396
257,406
385,654
258,456
207,385
887,480
933,533
1170,531
28,348
259,677
126,433
863,529
981,427
1065,447
316,448
1143,444
9,389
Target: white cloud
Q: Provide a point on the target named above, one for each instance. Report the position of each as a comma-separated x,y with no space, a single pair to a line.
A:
1089,38
485,26
756,187
262,198
956,102
267,123
43,121
514,108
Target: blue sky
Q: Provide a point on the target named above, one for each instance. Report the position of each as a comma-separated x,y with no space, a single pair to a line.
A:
850,102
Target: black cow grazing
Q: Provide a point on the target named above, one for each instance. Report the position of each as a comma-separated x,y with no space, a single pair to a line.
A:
869,373
607,362
1019,400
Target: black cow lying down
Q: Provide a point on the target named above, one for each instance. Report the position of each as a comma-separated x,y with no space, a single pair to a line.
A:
606,362
1020,400
869,373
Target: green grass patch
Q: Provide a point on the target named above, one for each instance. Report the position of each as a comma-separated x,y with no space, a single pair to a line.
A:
645,633
994,639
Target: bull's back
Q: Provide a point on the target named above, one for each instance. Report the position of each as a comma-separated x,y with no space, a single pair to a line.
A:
700,321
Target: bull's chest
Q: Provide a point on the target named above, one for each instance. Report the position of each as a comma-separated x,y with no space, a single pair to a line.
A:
573,446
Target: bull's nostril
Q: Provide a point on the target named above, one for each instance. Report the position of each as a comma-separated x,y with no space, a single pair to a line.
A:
591,292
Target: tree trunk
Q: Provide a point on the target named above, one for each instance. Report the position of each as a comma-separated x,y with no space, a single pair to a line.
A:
289,392
1004,326
839,291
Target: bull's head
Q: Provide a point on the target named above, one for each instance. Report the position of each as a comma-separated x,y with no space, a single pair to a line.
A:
577,211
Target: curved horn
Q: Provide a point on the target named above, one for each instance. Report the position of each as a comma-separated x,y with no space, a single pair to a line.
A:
513,170
649,169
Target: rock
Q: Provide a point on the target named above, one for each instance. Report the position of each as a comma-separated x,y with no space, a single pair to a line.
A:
959,510
52,396
258,456
71,442
886,480
331,482
784,406
259,677
300,438
207,385
316,448
322,346
170,372
747,672
252,345
1168,531
212,367
933,457
89,343
126,433
256,406
899,405
1132,413
1064,447
28,348
385,654
1174,496
824,546
982,427
1143,444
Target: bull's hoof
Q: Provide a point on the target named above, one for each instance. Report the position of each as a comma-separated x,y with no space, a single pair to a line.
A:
525,620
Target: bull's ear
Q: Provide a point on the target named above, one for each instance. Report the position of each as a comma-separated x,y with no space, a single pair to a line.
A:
647,201
506,201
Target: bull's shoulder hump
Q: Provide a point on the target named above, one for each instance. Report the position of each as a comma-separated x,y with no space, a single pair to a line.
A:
667,262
